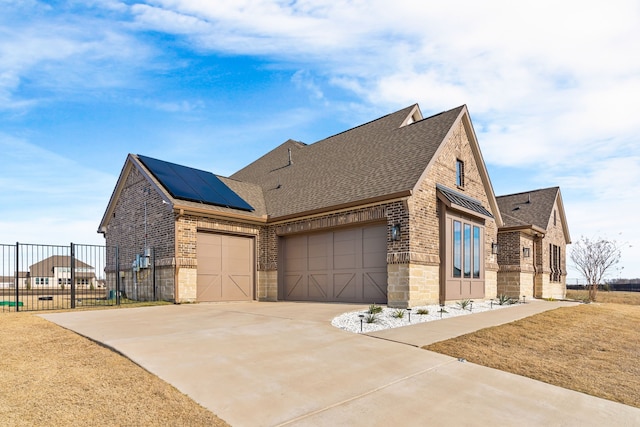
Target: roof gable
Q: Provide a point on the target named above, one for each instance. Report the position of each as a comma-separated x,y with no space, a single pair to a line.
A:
45,267
379,160
533,209
250,192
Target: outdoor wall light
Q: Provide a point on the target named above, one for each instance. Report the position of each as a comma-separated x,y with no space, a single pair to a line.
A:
494,248
395,232
526,252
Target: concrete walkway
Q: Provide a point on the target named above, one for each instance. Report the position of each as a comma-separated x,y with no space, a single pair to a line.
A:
422,334
269,364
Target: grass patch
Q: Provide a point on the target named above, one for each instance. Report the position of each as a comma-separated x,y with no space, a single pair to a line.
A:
52,376
591,348
632,298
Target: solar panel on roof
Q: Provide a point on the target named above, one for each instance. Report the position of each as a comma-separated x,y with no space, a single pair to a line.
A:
193,184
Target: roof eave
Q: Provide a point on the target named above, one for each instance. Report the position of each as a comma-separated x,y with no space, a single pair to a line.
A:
182,210
563,218
129,164
534,229
342,206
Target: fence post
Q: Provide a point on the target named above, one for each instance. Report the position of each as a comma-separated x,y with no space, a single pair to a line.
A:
73,275
17,278
153,270
117,276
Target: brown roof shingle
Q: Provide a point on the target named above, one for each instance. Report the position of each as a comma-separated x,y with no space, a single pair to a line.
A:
45,267
374,160
528,208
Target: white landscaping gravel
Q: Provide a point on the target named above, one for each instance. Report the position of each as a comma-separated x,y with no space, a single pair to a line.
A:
386,320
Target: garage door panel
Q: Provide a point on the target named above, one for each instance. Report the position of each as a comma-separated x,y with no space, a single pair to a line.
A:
209,287
375,285
345,262
295,252
345,286
317,287
225,267
294,287
236,288
347,265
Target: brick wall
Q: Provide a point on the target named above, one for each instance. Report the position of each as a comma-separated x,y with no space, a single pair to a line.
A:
555,236
126,230
127,226
425,214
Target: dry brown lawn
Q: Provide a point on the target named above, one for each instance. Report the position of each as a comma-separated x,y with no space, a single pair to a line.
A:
51,376
606,297
591,348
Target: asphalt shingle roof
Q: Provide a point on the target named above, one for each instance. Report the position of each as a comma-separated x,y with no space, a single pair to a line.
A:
528,208
377,159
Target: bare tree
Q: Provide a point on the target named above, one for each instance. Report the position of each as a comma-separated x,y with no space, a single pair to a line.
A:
594,258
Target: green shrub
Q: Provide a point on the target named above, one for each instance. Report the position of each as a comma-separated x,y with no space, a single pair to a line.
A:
374,309
422,311
398,314
504,300
464,304
371,318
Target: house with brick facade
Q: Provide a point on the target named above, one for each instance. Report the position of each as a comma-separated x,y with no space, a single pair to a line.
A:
533,244
397,211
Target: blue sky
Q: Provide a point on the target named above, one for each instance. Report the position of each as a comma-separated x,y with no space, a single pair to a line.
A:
214,85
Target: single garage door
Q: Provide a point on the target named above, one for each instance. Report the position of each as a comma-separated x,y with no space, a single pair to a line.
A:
347,265
225,267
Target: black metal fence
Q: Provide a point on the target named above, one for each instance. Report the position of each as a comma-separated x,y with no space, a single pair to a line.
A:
47,277
613,287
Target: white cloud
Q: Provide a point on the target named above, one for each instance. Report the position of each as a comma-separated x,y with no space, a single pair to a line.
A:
549,84
63,53
45,195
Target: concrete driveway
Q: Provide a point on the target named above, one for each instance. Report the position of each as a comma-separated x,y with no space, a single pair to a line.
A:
269,364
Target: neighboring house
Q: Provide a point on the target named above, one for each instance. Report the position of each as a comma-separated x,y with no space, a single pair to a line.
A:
55,271
399,210
532,245
10,281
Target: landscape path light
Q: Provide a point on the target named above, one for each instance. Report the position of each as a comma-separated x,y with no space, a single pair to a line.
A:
409,311
361,316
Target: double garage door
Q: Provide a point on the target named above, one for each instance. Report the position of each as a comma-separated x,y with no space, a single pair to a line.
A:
347,265
225,267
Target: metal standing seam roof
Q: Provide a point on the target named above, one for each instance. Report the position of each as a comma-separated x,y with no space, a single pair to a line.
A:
464,201
374,160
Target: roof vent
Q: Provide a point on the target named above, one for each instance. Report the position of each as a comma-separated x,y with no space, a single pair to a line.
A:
414,116
290,162
529,198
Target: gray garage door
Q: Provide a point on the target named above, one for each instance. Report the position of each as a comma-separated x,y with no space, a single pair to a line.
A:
225,267
347,265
